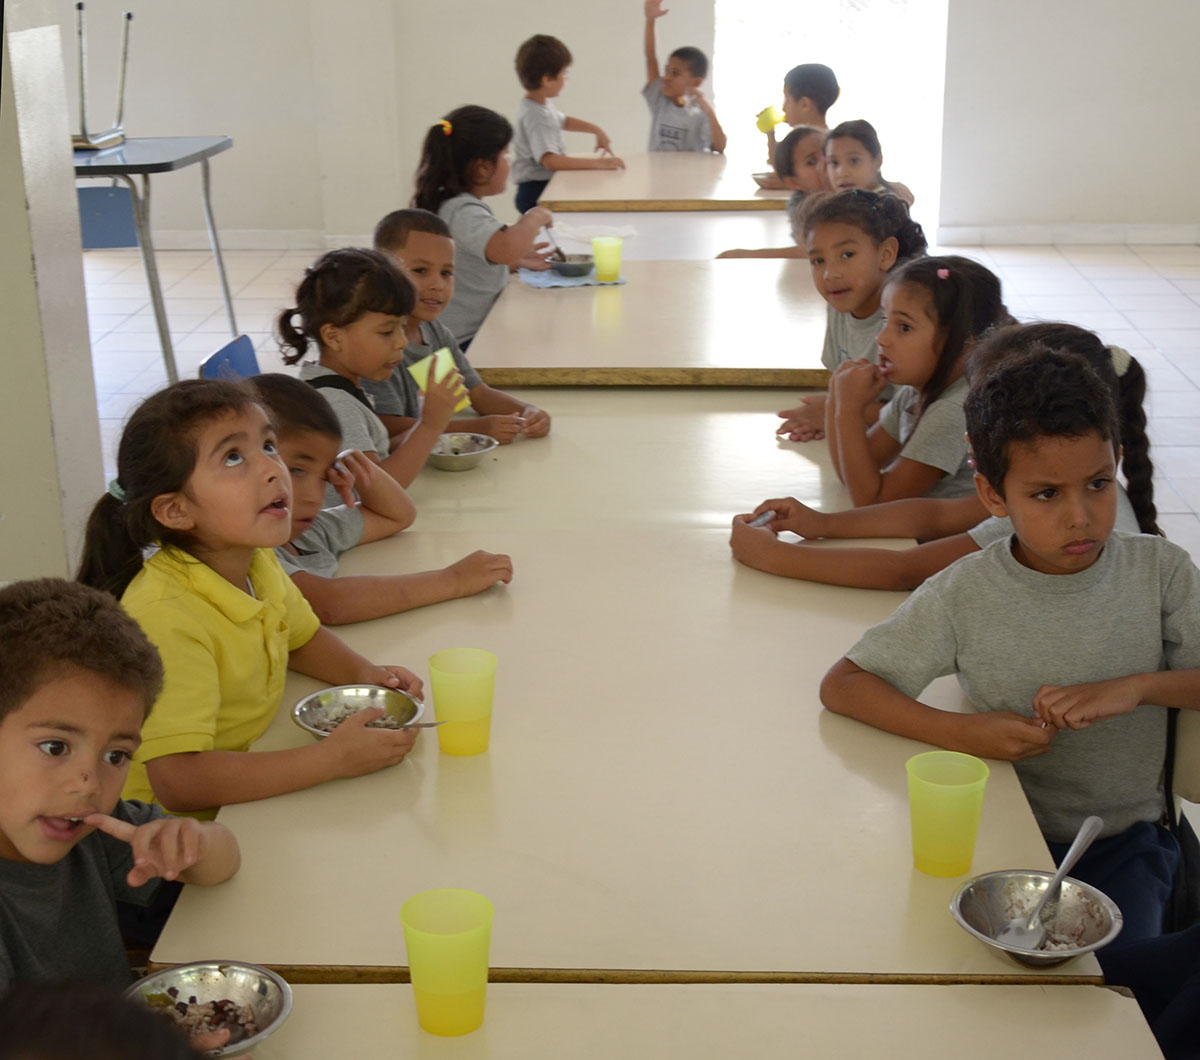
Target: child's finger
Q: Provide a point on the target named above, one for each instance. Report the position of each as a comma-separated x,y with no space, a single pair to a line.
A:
112,826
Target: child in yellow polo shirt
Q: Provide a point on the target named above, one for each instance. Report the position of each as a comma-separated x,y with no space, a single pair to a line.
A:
199,477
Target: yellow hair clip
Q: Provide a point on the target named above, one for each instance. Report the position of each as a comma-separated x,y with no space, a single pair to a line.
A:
447,128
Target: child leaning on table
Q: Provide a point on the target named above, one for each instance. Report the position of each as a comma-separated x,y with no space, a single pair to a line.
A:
80,677
310,445
949,528
538,147
353,305
853,240
464,160
1070,638
419,242
200,480
681,119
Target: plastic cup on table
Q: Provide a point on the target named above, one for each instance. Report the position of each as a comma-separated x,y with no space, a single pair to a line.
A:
447,934
463,681
606,253
945,798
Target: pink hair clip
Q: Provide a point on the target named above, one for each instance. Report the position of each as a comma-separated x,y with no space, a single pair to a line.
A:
943,274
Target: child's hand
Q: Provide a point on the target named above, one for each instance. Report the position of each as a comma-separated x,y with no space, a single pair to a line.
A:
537,421
358,750
441,399
165,847
391,677
350,467
804,423
503,428
1007,736
610,162
1077,706
602,142
654,9
479,571
857,383
793,515
751,545
210,1041
540,216
538,259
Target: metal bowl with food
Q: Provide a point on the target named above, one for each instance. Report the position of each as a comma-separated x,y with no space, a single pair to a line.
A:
1082,920
251,1002
461,451
322,712
572,265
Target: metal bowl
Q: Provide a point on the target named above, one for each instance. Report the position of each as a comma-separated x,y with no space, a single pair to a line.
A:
318,706
246,984
461,452
575,265
1081,921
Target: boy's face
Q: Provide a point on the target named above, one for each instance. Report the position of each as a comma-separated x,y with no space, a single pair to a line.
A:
797,110
553,86
808,165
308,455
64,753
429,261
677,79
1061,495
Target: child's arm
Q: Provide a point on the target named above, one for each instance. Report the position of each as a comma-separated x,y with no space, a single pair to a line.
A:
653,10
923,518
714,126
175,848
862,568
496,405
848,689
1077,706
386,509
338,601
407,458
764,252
554,162
579,125
514,245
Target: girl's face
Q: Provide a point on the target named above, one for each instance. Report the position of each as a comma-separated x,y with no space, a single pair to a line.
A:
491,178
367,348
848,267
851,165
808,166
911,340
238,497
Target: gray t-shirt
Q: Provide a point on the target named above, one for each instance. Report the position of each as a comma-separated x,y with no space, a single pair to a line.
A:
399,395
938,438
675,128
477,281
361,428
539,128
1001,528
333,531
849,339
1007,630
59,921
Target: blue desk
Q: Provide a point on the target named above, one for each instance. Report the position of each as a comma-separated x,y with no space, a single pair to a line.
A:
160,154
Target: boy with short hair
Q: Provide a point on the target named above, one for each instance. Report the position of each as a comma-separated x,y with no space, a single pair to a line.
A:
1069,638
538,147
809,90
681,119
420,242
80,677
309,440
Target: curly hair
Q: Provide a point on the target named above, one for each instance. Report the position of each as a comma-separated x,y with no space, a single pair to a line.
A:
1042,393
50,624
879,216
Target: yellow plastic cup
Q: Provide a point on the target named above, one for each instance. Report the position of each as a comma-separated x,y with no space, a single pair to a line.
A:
447,934
463,681
606,252
945,799
768,118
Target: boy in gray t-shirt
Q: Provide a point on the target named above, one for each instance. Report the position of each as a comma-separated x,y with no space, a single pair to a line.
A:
1069,639
80,677
681,119
310,445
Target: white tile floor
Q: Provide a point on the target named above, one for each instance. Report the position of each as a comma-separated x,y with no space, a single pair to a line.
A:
1144,298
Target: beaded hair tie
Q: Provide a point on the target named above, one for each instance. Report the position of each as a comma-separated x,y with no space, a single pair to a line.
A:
447,128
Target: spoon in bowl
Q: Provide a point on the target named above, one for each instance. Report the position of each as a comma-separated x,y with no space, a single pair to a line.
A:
1028,932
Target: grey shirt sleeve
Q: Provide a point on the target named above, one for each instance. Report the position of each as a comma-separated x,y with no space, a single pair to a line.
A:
891,414
334,531
939,438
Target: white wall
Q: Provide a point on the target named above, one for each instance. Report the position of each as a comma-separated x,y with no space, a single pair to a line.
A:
1067,113
327,101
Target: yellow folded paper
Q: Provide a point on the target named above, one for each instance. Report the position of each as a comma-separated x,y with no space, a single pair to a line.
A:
442,362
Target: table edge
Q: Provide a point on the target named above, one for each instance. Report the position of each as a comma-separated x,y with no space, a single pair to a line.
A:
583,375
658,205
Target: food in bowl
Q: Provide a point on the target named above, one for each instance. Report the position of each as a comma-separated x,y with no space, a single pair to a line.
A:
193,1017
572,265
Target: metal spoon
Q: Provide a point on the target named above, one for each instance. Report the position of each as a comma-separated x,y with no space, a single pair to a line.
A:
423,725
558,254
1029,933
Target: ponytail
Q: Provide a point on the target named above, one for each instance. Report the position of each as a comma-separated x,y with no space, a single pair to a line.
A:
1135,446
157,455
450,150
338,288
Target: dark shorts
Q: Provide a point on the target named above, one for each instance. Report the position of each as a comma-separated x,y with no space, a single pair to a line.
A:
528,193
